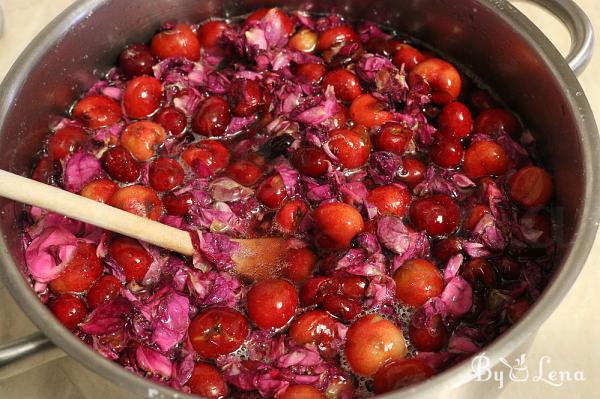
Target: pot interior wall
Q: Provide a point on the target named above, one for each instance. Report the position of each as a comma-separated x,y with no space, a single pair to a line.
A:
465,30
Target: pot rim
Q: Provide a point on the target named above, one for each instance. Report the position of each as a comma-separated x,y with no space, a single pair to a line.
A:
458,375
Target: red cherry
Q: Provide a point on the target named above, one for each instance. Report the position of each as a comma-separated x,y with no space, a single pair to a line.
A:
408,56
139,200
120,165
272,303
427,336
338,222
335,37
97,111
208,381
290,215
339,120
310,161
178,205
206,157
172,120
366,110
65,141
352,148
444,249
311,72
299,264
217,331
301,392
132,257
517,310
81,271
104,290
211,33
342,307
304,40
485,158
316,288
314,327
530,186
480,274
69,309
394,137
391,199
493,120
354,287
46,170
418,280
438,215
212,117
137,59
180,41
165,174
277,14
271,192
141,139
446,152
244,172
443,79
246,97
474,215
413,171
482,100
99,190
371,342
142,96
455,120
345,84
400,374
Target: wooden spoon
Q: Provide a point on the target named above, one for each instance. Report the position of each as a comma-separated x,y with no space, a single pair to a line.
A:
256,259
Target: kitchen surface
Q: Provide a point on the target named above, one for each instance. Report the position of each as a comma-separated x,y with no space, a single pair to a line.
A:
565,346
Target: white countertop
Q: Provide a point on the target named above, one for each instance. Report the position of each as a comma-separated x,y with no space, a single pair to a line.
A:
570,338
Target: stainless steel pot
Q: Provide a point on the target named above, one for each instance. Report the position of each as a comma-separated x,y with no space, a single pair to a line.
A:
489,37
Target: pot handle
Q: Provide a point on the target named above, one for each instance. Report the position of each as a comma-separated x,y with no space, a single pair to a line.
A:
26,353
580,28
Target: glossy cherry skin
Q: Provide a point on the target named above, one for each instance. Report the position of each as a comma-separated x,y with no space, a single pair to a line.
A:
137,59
65,141
485,158
276,14
272,303
354,287
438,215
345,84
427,336
372,341
165,174
417,280
141,139
394,137
120,165
290,215
390,200
455,120
139,200
104,290
97,111
299,264
474,215
314,327
301,392
180,41
244,172
211,33
69,309
341,306
177,205
366,110
46,170
446,152
413,171
480,274
100,190
352,148
81,271
408,56
310,161
142,96
530,186
246,97
444,249
304,40
271,192
336,36
338,222
443,79
217,331
399,374
316,288
492,121
132,257
206,157
212,117
172,120
310,72
208,381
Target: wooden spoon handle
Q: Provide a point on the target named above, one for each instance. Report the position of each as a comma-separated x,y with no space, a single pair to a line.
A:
54,199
